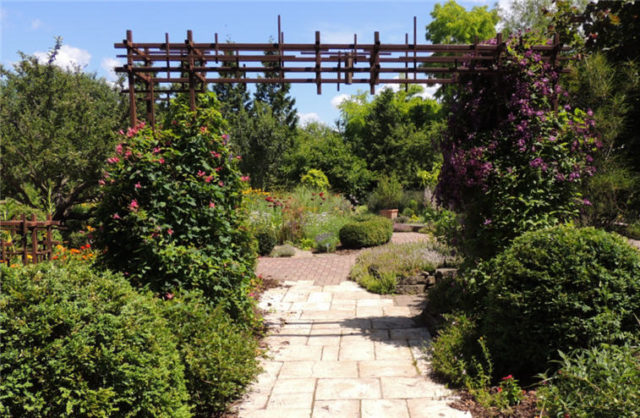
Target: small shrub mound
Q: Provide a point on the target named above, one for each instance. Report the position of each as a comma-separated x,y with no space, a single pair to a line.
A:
599,382
366,231
219,357
79,343
560,288
266,238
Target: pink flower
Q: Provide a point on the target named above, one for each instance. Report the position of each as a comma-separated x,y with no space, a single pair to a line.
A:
201,173
169,296
161,160
113,160
225,136
119,149
244,178
586,202
133,206
208,179
221,183
507,377
212,205
137,185
203,129
115,216
170,231
127,153
238,157
216,154
487,222
101,182
218,169
121,132
156,150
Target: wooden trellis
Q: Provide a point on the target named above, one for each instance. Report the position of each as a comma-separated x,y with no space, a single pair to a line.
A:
164,68
32,240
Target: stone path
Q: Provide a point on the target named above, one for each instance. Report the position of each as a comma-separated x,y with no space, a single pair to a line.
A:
336,350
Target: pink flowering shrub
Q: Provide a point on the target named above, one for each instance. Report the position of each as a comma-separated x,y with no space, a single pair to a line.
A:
169,217
512,163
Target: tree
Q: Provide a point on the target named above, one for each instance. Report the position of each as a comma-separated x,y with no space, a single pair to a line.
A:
394,133
277,96
57,128
452,24
319,147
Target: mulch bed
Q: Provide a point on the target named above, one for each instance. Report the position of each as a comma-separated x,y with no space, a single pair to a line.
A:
526,409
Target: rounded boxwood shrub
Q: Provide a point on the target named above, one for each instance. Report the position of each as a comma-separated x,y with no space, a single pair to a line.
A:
170,215
219,356
266,238
80,343
560,288
366,231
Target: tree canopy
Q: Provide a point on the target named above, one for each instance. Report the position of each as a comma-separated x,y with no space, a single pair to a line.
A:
453,24
57,128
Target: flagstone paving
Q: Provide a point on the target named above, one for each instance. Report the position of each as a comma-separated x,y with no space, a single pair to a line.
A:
336,350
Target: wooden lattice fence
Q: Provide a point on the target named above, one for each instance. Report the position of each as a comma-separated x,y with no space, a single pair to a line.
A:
31,240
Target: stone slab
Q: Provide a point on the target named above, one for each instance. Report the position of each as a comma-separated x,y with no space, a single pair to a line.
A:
367,388
384,408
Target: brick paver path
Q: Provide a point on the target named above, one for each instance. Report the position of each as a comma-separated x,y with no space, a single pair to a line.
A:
336,350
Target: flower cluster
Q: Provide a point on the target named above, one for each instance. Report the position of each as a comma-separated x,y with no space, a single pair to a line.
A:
510,155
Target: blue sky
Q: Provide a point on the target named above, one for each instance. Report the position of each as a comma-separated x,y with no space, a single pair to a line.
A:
89,29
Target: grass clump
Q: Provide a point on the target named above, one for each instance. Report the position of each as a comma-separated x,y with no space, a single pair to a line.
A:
378,269
285,250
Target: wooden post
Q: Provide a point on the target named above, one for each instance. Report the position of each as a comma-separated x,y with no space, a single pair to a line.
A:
192,87
25,232
318,61
132,91
34,239
49,242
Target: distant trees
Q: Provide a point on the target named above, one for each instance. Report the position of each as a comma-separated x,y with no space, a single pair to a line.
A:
57,129
453,24
395,133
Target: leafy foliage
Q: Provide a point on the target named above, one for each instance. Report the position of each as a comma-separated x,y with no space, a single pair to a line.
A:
170,217
366,231
57,129
315,179
387,195
76,342
602,381
512,165
560,288
451,23
395,133
219,356
319,147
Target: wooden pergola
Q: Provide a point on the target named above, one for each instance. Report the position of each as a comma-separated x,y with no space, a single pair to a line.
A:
157,70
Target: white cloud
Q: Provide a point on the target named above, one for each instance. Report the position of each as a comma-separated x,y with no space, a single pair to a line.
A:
306,118
68,57
36,24
427,92
109,64
337,100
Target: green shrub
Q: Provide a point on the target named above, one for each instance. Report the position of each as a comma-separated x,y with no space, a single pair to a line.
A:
366,231
602,381
79,343
326,242
633,230
560,288
218,355
315,179
395,261
455,348
170,216
388,194
266,238
285,250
